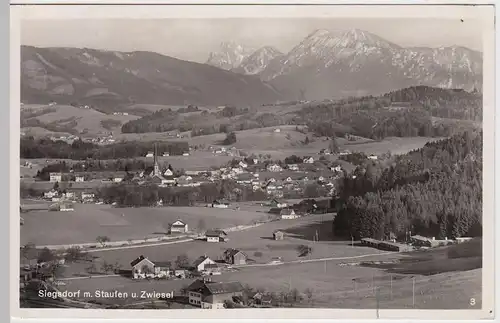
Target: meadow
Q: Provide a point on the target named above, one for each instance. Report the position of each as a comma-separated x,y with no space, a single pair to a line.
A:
89,221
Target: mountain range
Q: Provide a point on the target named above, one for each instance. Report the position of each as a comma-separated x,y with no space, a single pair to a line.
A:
324,65
108,79
329,64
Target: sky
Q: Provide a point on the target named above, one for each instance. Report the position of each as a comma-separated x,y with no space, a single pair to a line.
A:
194,39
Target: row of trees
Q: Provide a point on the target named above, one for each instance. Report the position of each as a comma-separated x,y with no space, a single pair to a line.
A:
436,190
80,150
131,195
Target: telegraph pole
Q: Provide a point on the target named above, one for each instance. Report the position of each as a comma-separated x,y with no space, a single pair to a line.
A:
378,302
391,287
413,289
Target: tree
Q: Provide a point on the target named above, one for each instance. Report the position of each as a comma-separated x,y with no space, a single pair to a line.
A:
102,240
182,261
309,294
46,255
106,267
73,253
27,251
56,270
333,146
91,269
201,226
56,186
117,267
230,139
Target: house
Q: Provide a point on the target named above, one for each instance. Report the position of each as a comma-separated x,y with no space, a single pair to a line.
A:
55,177
262,299
420,241
373,157
278,203
462,239
66,207
50,194
336,169
142,267
212,295
185,154
274,168
277,130
87,197
178,227
235,257
68,195
212,269
79,178
200,263
220,204
242,164
288,214
308,160
192,173
216,236
293,167
117,179
255,161
180,273
278,235
184,180
150,154
168,173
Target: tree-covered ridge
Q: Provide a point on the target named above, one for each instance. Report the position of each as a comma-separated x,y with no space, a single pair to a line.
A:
79,150
404,113
433,191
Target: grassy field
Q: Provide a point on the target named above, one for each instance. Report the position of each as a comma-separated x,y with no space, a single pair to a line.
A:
342,282
89,221
86,118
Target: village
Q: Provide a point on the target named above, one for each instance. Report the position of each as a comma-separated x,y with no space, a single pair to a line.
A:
193,270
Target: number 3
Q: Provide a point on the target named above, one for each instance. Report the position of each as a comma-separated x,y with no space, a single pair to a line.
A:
472,301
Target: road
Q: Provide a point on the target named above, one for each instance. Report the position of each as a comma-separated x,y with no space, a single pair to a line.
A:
293,262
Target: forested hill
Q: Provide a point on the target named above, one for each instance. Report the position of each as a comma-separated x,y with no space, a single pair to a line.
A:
414,111
433,191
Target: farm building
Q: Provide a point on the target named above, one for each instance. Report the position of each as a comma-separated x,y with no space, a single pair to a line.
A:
275,168
278,235
308,160
235,257
212,295
262,299
142,267
221,204
462,239
288,214
200,263
278,204
79,178
150,154
178,227
55,177
216,236
293,167
386,245
421,241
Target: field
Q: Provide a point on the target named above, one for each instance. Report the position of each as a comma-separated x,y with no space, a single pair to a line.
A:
339,282
289,142
89,221
86,119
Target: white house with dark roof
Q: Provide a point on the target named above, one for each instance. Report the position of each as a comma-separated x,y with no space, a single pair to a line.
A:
212,295
178,227
288,214
142,268
216,236
200,263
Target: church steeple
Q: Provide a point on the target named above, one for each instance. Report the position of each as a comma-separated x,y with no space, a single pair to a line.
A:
155,156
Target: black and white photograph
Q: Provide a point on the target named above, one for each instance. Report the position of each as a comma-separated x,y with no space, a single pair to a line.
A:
230,162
